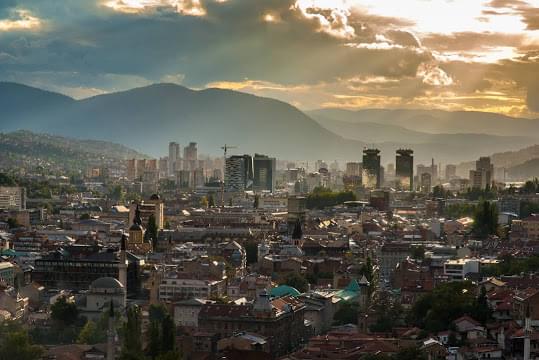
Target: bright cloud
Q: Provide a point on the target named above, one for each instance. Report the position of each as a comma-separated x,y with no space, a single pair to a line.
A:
332,16
22,20
184,7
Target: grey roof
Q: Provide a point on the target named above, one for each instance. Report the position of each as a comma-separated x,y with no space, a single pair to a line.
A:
106,283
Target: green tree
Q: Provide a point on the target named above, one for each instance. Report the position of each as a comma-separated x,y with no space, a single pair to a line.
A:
17,345
116,193
154,343
7,180
211,200
90,334
530,187
85,216
296,281
12,223
168,331
347,314
64,312
485,219
387,313
322,197
132,335
418,252
434,311
482,311
204,202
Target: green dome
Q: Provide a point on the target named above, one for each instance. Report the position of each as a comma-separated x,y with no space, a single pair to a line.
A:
284,290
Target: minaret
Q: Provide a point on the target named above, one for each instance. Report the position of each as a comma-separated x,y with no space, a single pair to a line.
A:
111,335
527,333
297,233
122,267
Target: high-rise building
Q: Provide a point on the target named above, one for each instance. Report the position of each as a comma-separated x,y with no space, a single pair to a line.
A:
12,198
450,171
371,169
426,182
481,177
404,172
131,169
238,173
173,157
264,171
353,169
190,156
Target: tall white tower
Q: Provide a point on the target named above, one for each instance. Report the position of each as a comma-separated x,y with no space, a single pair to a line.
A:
122,267
111,335
527,333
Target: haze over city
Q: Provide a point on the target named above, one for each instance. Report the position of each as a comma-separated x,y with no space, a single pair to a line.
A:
269,179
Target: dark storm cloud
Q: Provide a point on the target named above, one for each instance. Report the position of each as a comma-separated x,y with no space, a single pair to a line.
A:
231,42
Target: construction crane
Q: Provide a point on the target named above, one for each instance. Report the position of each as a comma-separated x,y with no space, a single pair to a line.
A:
225,150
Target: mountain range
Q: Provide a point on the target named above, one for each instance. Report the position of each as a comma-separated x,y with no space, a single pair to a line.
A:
148,118
25,149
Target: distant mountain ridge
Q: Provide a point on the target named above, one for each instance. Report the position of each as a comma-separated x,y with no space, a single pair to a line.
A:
148,118
436,121
23,148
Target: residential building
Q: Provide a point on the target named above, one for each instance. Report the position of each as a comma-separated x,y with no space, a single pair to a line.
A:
174,158
482,176
7,273
12,198
238,173
190,156
281,320
391,254
461,269
353,168
173,288
450,171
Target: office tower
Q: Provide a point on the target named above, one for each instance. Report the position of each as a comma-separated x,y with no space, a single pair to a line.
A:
163,167
131,169
264,170
353,169
238,173
450,171
190,156
198,177
184,179
371,168
391,170
404,172
481,177
173,157
12,198
426,182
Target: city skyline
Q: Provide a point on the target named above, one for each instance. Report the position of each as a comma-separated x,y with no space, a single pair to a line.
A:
480,55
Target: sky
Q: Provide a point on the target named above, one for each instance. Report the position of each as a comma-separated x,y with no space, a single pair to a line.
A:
477,55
